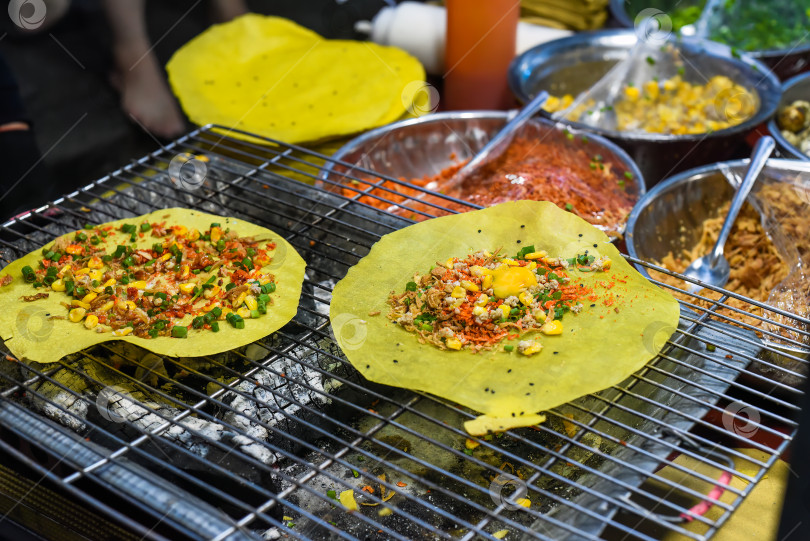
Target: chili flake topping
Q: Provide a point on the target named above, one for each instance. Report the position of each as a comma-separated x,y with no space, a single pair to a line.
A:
483,299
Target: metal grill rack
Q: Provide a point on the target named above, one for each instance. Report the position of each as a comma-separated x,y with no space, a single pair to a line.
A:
258,443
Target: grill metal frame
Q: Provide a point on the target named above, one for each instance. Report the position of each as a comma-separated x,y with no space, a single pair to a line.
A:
159,473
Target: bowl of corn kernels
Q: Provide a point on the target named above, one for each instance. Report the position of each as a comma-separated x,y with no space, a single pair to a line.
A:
694,108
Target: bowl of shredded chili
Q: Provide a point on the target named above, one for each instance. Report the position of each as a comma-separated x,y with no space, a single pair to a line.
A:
405,168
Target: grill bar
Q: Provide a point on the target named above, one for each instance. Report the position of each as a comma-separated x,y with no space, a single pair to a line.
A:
301,403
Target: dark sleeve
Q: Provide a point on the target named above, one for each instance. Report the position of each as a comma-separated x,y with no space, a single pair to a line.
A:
11,106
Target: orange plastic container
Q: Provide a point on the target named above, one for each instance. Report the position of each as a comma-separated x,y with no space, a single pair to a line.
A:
480,45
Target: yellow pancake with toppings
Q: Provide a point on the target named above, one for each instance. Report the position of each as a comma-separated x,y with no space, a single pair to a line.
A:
593,338
176,281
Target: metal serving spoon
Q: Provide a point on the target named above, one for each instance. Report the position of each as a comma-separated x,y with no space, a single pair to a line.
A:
496,145
713,268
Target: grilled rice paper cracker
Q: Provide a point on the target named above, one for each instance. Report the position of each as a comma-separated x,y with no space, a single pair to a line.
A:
627,324
269,76
32,335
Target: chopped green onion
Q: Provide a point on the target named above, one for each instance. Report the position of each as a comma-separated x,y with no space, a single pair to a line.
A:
410,286
145,227
81,236
106,258
88,226
215,326
508,348
179,331
198,322
216,311
230,286
94,240
128,228
213,225
108,290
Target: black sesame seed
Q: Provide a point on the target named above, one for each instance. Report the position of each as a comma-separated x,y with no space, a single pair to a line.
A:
522,412
556,352
479,230
580,234
518,242
396,361
493,391
509,371
368,366
527,394
486,390
531,383
593,305
513,414
596,246
522,226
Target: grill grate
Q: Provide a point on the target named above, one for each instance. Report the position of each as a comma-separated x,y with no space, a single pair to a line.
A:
255,443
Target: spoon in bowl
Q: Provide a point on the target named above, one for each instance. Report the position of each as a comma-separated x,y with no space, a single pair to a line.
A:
496,145
713,268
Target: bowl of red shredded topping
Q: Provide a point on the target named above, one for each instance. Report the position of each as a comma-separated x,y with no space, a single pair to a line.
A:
406,168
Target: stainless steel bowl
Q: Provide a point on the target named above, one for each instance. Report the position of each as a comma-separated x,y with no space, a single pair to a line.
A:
797,88
669,218
574,64
426,145
784,63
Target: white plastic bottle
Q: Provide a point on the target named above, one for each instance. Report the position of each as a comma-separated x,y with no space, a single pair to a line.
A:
420,29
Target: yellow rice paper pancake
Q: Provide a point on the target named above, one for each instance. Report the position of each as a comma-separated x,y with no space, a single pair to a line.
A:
625,325
31,333
269,76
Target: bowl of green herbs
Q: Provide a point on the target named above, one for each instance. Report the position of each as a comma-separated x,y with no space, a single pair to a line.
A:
773,31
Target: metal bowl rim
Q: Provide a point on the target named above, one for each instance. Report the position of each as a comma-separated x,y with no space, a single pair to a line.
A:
771,92
645,200
773,128
621,15
364,138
